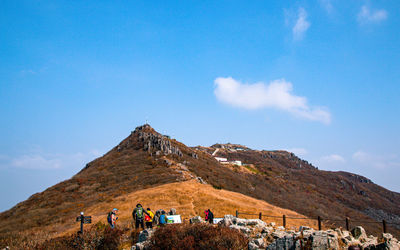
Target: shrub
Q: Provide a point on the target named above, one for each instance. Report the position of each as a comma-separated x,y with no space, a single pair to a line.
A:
99,236
197,236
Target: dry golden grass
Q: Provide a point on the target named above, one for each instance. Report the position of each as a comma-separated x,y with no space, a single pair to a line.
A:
191,198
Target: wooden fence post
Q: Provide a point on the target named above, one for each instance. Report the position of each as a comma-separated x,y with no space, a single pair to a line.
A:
384,226
237,214
319,223
284,220
347,224
260,216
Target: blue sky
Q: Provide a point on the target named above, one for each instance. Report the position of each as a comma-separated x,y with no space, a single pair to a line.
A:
319,78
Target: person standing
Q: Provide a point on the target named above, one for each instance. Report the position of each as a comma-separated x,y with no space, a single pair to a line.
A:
112,217
163,219
149,218
210,217
138,216
206,215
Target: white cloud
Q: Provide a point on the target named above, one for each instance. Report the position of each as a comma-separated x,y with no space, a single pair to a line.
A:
366,15
333,158
277,94
376,161
36,162
301,25
45,161
298,151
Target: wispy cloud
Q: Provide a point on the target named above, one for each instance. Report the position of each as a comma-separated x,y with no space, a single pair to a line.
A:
367,15
301,25
298,151
277,94
376,161
333,158
46,161
327,5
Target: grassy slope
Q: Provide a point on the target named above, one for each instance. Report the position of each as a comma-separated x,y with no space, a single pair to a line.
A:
190,198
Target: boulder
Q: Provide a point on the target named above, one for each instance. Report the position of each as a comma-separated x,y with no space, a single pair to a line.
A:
267,230
278,234
252,246
172,211
256,223
286,242
359,233
196,219
227,220
303,228
145,235
322,240
259,242
241,229
139,246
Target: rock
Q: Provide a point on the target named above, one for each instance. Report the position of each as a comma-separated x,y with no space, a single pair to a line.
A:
370,243
359,233
200,180
172,211
139,246
241,229
280,228
267,230
259,242
272,224
227,220
286,242
256,223
278,234
156,142
387,236
252,246
196,219
145,235
322,240
195,156
303,228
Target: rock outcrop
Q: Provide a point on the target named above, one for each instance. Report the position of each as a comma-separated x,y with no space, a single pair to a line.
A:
263,236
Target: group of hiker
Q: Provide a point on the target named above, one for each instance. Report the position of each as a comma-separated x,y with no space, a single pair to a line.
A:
143,217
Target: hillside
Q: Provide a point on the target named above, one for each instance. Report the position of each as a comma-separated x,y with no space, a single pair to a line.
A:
147,160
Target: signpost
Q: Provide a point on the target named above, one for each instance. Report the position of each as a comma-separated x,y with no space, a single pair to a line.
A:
83,220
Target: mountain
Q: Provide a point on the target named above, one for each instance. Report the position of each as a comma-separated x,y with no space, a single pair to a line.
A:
147,160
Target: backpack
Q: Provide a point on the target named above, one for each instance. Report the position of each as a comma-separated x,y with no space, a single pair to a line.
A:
109,216
163,219
139,213
210,216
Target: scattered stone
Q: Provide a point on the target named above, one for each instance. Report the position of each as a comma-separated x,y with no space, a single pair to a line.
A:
241,229
196,219
145,235
172,211
303,228
200,180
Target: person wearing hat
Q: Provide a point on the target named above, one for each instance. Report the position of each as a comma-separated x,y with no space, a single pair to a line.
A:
138,216
112,217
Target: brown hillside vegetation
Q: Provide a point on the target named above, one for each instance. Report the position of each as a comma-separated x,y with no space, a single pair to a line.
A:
147,159
189,198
